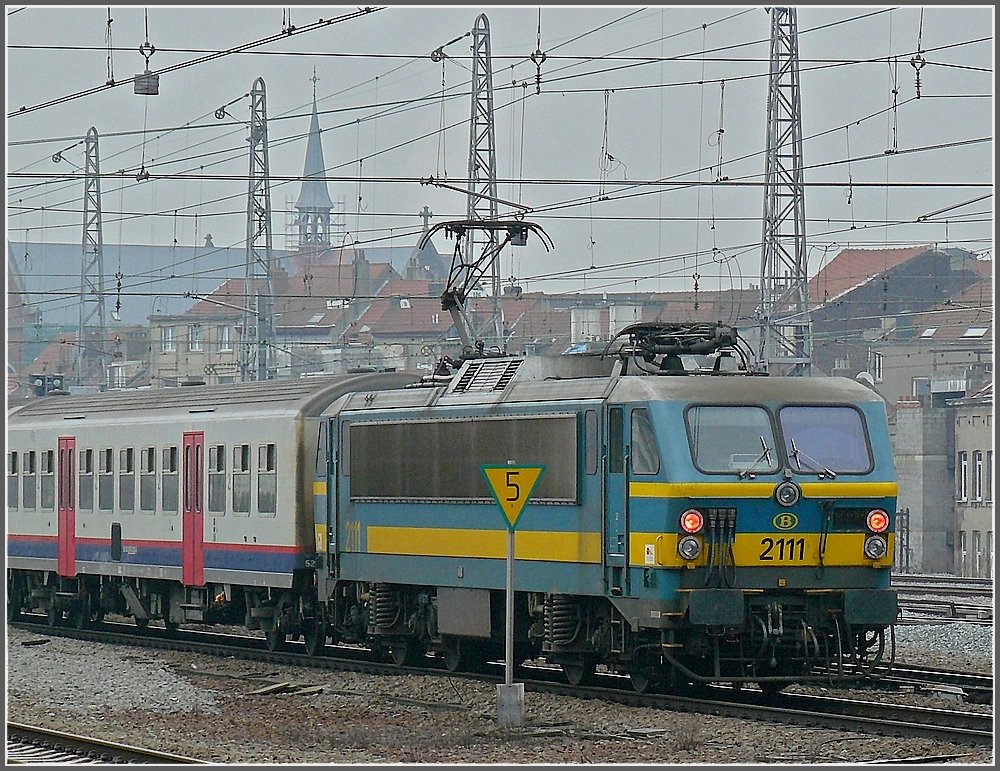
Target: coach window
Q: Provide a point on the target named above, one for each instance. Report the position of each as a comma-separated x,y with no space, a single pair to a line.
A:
644,455
126,479
147,479
12,481
48,492
168,492
267,480
241,479
106,480
321,451
217,479
29,485
85,499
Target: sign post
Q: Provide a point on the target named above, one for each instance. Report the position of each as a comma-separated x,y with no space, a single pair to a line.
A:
511,487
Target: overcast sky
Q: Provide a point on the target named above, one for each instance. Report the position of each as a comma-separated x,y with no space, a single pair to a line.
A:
628,95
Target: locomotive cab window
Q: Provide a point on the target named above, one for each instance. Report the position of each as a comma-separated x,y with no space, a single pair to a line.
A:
727,440
12,481
168,492
48,478
820,439
85,498
29,487
644,454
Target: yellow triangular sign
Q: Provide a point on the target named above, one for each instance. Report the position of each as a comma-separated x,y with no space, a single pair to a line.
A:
511,487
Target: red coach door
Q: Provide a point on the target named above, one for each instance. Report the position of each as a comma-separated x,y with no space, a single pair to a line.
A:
193,478
66,523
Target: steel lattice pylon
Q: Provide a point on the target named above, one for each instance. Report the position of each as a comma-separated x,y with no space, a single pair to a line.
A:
91,338
785,326
258,326
482,200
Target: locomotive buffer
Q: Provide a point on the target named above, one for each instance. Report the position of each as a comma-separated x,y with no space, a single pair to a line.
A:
511,487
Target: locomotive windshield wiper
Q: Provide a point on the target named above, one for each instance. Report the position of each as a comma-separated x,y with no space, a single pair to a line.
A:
765,455
813,464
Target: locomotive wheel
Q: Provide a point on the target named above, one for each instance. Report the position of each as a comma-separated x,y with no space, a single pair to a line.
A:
579,671
315,637
456,656
644,681
404,653
142,623
770,688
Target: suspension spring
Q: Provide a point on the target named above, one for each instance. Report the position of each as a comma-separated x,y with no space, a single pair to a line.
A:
386,610
562,615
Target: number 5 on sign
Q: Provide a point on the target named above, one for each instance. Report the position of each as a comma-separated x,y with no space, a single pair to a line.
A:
512,487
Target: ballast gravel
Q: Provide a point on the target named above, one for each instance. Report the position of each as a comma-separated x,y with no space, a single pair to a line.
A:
206,707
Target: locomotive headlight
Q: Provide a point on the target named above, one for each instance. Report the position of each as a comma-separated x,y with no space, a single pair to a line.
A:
689,547
875,547
878,521
787,493
692,521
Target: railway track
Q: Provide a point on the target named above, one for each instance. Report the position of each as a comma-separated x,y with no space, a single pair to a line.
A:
818,711
930,599
31,745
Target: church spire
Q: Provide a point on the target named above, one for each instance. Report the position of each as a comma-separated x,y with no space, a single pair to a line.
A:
314,204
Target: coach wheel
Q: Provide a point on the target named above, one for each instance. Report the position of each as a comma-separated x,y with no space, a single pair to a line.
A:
170,626
404,653
275,638
315,636
54,615
579,671
79,614
15,598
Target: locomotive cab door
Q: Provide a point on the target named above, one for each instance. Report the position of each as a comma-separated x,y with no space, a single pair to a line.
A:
615,554
66,523
193,525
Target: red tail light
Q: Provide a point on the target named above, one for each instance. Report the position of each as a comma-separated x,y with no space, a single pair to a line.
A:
878,521
692,521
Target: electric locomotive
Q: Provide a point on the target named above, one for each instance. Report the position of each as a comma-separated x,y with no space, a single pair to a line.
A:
693,525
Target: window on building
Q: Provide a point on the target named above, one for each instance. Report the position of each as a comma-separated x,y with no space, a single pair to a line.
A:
988,482
929,332
167,343
989,554
977,553
225,341
877,366
975,332
963,567
962,477
977,475
194,337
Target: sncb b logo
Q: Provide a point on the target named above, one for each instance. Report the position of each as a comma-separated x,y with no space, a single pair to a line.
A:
786,521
